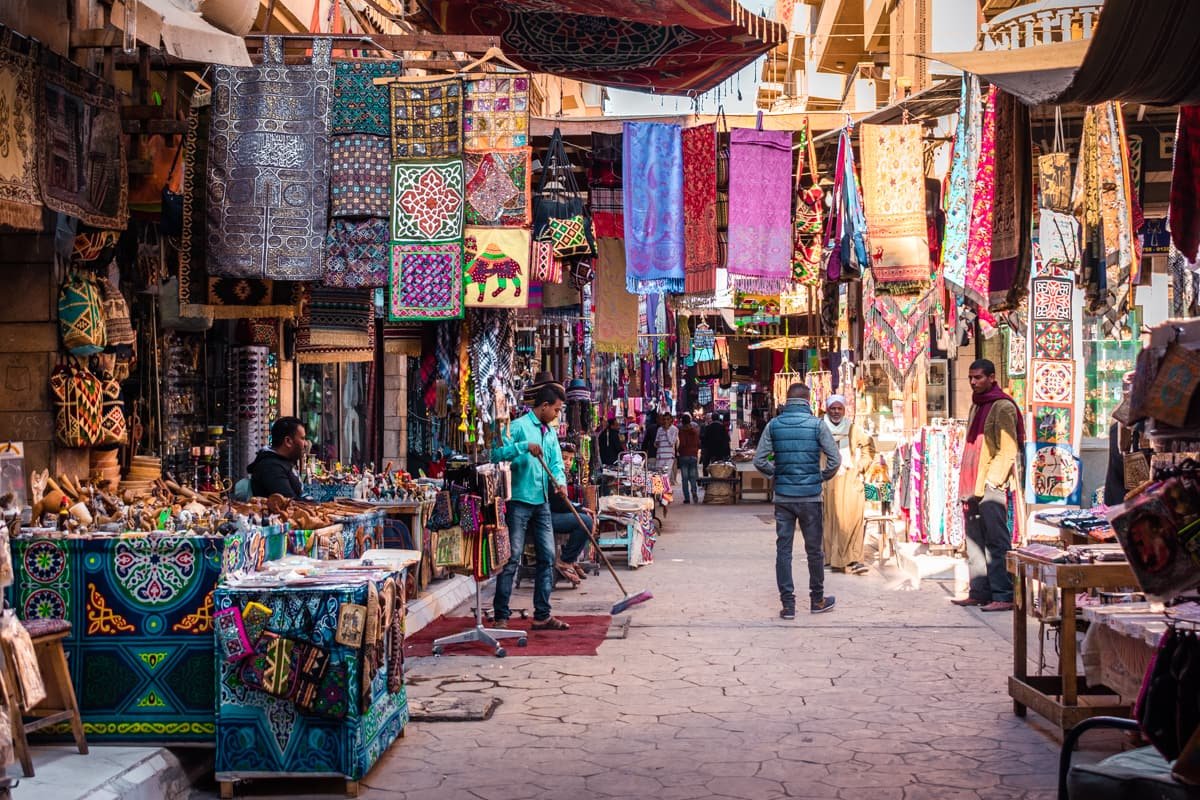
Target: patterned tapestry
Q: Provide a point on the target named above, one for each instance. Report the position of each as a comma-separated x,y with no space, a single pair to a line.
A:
426,282
897,327
760,210
497,187
337,710
199,294
616,325
359,105
1052,381
81,162
962,185
496,111
20,199
1052,473
426,118
141,645
268,164
336,326
1051,310
496,267
893,181
652,176
700,208
358,176
356,253
1012,212
427,200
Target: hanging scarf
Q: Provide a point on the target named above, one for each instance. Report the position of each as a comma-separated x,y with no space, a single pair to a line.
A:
760,206
616,325
846,228
1012,212
1185,183
485,353
652,177
894,202
979,246
962,185
700,208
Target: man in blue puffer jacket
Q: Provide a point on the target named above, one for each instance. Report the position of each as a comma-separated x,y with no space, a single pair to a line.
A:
796,439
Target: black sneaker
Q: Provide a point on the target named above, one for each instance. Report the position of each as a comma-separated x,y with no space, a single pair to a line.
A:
826,603
787,612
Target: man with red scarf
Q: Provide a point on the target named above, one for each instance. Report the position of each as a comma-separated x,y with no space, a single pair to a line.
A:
995,436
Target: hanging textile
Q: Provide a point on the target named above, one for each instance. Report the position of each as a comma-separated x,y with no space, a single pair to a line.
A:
497,187
426,119
200,295
1185,184
486,331
359,105
1012,210
427,200
979,242
616,325
700,208
268,163
893,179
359,176
962,185
1185,285
652,176
809,221
356,253
20,199
81,164
846,229
496,266
760,209
898,328
337,326
426,282
604,186
496,111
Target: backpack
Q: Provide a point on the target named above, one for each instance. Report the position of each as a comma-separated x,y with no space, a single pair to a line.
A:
81,315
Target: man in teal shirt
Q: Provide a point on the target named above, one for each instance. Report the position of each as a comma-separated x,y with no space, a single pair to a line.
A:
529,509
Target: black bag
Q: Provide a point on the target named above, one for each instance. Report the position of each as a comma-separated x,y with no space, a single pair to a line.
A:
558,195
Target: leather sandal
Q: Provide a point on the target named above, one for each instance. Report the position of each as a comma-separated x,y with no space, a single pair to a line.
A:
550,624
567,572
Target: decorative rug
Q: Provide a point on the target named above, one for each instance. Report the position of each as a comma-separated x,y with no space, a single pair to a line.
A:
337,326
358,176
962,185
616,309
20,199
700,208
496,111
268,167
81,163
356,253
760,210
426,282
359,105
496,267
497,187
979,242
893,181
426,118
652,174
583,639
427,200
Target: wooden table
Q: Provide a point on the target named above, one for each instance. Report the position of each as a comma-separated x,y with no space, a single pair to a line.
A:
1056,697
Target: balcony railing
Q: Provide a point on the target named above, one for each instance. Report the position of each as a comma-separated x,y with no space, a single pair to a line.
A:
1044,22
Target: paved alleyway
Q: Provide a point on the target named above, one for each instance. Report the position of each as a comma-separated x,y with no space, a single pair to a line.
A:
895,694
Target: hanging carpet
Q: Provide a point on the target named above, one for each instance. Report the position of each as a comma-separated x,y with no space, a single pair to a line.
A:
962,185
760,209
652,175
893,180
359,105
616,309
426,282
359,176
700,208
496,111
1012,209
497,187
979,242
268,163
337,326
20,198
426,118
356,253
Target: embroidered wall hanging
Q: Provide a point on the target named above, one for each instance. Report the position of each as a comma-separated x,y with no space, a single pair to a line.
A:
1052,299
979,232
496,112
1052,474
1012,212
1054,424
356,253
358,176
268,164
1052,340
359,105
1058,240
1052,381
496,267
426,282
960,194
427,200
20,198
426,118
893,181
700,208
497,187
1017,357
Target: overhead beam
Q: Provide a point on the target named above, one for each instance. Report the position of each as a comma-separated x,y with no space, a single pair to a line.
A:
106,38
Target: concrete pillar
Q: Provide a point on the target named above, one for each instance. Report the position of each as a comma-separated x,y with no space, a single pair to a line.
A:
395,409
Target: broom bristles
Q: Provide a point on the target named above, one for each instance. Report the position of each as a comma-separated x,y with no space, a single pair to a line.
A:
631,600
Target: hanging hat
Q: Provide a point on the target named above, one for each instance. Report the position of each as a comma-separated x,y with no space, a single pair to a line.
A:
540,381
579,391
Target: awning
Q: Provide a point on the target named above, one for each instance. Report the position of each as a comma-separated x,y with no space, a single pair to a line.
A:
165,26
1140,52
670,46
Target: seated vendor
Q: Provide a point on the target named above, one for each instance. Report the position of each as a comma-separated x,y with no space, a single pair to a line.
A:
273,470
564,521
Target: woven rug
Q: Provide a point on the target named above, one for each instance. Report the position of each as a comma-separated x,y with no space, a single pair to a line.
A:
893,180
616,325
700,208
652,175
1012,211
359,105
426,282
356,253
584,638
496,267
427,200
497,187
359,168
81,163
20,200
199,294
962,185
760,210
268,165
426,118
496,111
337,326
979,242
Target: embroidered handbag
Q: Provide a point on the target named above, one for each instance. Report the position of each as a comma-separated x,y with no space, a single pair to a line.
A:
1054,173
544,266
582,273
449,548
113,429
81,315
117,328
442,515
78,406
560,201
808,224
503,548
569,236
470,513
1174,386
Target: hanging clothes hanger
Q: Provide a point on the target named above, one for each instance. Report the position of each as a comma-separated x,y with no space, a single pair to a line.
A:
493,53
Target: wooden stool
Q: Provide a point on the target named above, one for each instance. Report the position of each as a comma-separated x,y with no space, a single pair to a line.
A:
59,705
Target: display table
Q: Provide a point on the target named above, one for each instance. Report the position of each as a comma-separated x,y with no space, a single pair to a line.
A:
141,644
1056,697
753,482
1120,644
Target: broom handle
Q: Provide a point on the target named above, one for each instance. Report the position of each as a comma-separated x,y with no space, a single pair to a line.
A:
588,530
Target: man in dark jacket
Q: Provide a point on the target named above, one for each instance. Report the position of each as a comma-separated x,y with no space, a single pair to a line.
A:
273,471
650,433
610,443
714,442
796,439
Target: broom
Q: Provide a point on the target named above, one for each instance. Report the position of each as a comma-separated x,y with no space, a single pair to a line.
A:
628,600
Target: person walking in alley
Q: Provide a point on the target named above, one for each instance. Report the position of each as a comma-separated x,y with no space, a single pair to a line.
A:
666,446
796,440
995,436
714,442
610,443
845,498
689,458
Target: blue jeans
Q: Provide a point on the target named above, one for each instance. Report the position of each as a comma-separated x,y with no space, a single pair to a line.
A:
988,543
524,518
565,522
812,525
689,470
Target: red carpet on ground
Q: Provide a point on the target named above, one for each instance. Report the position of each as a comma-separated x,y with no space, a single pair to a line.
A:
583,639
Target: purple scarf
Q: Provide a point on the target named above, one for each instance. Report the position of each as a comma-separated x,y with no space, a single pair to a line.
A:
760,209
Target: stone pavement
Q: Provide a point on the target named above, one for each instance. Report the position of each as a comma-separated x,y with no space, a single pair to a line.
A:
894,694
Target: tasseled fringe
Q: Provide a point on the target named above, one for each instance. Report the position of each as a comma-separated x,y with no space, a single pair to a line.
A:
21,216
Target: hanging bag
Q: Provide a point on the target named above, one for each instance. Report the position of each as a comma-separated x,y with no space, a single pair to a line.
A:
808,221
559,214
78,406
113,429
81,314
1054,172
